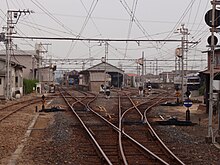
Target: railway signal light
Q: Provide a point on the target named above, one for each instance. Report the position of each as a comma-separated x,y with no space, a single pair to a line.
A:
209,40
208,18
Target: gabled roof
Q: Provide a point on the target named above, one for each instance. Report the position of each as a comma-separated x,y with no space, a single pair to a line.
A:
105,66
13,63
20,52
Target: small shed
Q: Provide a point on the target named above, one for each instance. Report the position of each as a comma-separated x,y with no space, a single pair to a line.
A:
101,74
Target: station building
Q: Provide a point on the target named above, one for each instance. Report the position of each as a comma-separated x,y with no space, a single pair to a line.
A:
101,74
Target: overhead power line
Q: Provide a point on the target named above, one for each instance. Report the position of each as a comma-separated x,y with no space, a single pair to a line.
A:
113,59
99,39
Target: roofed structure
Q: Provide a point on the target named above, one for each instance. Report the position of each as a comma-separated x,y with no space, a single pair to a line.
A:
101,74
27,58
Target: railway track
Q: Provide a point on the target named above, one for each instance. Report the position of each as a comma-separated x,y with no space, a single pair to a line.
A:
116,144
144,133
11,109
8,110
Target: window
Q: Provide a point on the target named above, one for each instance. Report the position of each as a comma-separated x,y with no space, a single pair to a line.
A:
16,79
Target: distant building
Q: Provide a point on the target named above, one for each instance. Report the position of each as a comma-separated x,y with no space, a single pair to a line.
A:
16,81
101,74
167,77
71,78
130,80
206,75
27,58
46,77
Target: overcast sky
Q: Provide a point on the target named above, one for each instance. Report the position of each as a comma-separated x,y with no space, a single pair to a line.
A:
153,19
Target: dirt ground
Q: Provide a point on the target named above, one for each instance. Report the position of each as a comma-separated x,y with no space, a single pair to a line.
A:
189,142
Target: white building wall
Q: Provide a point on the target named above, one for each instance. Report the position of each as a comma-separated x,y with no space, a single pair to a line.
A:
26,60
14,72
2,84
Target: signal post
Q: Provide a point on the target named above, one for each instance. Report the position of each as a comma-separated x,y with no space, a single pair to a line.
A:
212,19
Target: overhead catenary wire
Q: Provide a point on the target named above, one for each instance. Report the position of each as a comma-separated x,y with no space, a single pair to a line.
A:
165,51
7,4
89,13
40,6
99,39
197,29
180,20
197,11
33,20
127,8
134,6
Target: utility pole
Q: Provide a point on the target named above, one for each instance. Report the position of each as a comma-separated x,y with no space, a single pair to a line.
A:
106,56
156,67
12,19
184,49
212,63
143,69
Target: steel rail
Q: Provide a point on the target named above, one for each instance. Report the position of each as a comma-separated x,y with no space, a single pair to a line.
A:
120,133
134,105
155,134
20,102
129,137
9,114
145,121
88,131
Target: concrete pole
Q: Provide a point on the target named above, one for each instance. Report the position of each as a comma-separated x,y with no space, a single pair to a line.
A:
218,108
182,73
212,62
8,54
143,69
106,55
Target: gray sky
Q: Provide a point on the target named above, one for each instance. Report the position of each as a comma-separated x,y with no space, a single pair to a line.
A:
153,19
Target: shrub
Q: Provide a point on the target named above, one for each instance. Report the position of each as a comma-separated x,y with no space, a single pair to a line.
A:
202,90
28,85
